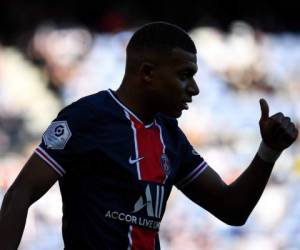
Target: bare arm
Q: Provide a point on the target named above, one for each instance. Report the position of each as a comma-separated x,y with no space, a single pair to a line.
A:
233,203
34,181
230,203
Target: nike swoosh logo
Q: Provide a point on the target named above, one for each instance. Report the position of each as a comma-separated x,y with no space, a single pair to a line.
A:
133,161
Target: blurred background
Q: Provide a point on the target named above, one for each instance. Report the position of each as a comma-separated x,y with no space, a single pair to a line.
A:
54,52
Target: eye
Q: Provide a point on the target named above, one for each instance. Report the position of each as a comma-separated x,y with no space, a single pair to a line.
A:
185,75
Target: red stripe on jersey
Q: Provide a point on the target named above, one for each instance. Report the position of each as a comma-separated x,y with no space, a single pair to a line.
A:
142,238
150,147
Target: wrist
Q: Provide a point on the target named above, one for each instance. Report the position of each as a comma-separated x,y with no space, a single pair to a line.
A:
267,154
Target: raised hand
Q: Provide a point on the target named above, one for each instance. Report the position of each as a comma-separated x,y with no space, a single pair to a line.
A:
277,131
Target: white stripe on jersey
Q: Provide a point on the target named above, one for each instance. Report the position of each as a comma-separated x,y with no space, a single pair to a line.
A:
47,158
192,175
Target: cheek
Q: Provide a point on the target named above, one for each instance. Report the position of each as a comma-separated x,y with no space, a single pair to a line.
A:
176,88
169,88
173,83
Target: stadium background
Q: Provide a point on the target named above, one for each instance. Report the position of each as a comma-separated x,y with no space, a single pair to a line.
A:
53,52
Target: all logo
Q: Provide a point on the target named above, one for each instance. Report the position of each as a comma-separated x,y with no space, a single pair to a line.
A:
147,211
152,206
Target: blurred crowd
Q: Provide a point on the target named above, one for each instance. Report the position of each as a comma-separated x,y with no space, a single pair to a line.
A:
236,68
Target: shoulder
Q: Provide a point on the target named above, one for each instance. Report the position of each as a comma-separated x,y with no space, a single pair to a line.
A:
81,114
85,107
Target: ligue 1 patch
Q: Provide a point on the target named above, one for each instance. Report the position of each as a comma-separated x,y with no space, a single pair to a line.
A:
165,163
57,135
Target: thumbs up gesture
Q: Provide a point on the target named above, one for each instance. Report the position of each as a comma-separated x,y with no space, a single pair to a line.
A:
277,131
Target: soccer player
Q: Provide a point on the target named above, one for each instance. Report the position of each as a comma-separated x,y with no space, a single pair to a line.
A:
117,155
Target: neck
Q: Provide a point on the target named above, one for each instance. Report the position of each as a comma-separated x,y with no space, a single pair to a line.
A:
133,98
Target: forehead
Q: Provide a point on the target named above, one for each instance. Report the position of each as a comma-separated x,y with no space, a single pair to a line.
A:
180,59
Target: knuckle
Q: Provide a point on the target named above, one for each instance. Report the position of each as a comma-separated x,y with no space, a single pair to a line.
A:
277,116
293,133
277,122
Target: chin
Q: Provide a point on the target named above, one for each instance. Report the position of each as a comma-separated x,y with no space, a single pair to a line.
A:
173,114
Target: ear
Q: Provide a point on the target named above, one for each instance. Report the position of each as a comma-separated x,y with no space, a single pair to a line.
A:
146,71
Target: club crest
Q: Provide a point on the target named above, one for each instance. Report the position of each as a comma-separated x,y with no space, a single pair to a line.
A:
165,164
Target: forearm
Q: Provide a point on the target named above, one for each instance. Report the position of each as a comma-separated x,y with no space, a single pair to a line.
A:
244,193
13,216
233,203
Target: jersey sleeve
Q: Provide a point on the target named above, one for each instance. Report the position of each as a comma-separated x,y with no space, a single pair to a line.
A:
192,164
65,140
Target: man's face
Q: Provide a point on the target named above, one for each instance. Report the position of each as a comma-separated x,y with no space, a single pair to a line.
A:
174,83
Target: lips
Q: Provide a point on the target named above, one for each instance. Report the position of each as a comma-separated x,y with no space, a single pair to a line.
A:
185,104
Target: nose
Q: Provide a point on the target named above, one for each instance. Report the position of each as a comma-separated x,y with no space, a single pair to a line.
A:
192,88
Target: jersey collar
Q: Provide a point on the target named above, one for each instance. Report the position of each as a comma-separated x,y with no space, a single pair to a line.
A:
128,110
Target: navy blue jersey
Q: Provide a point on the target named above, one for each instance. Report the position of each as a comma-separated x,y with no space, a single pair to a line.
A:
116,172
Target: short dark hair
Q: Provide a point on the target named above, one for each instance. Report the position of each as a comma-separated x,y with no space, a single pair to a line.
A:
162,37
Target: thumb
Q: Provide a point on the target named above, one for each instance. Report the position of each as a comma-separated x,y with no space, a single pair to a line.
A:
264,107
